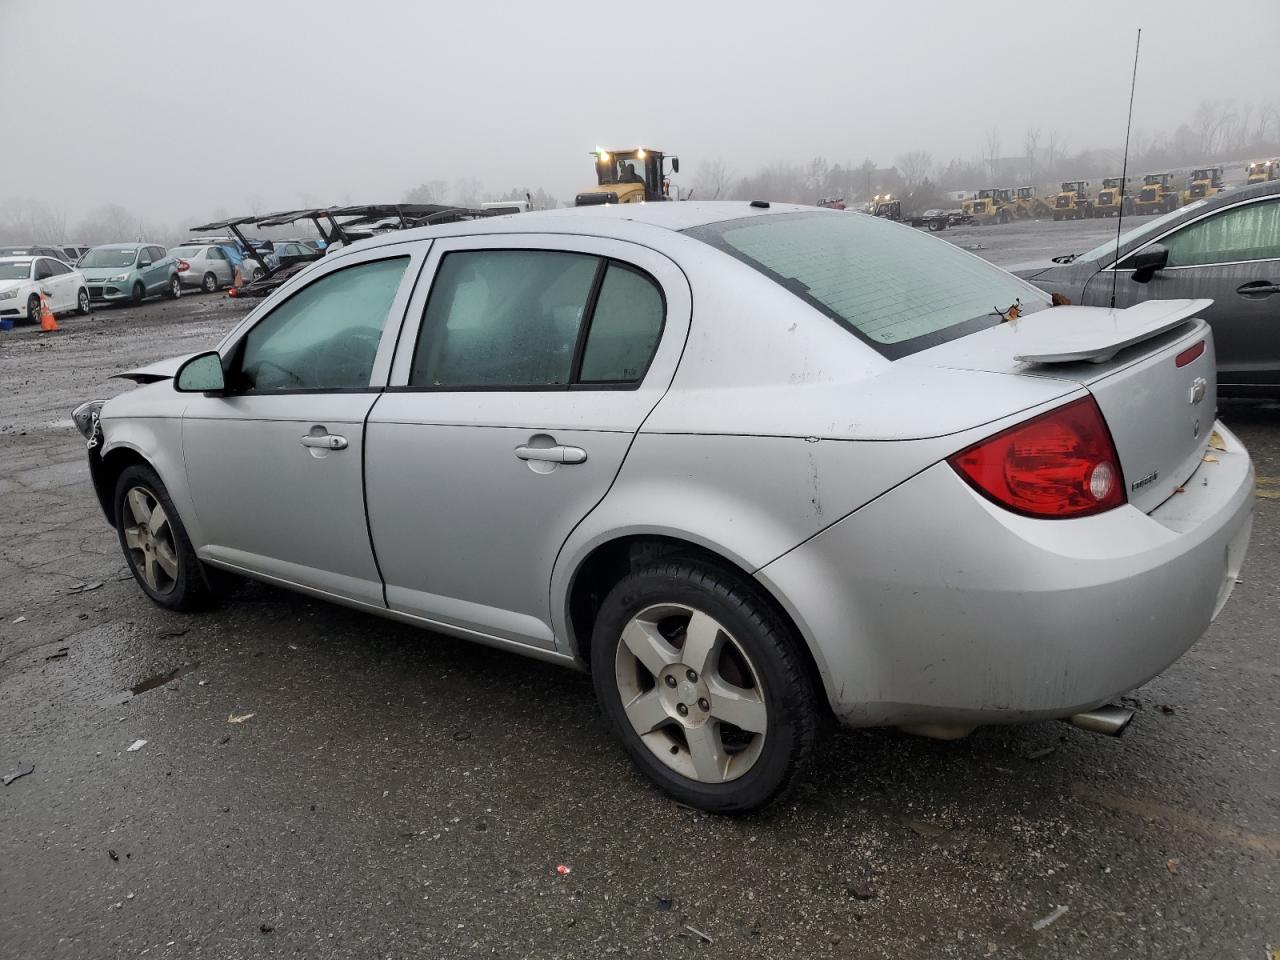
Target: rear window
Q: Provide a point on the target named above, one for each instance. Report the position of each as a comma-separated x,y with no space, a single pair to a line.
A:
185,253
894,287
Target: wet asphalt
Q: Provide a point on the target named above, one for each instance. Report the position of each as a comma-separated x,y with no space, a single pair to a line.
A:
321,783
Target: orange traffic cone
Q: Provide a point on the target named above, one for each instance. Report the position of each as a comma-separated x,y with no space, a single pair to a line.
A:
47,323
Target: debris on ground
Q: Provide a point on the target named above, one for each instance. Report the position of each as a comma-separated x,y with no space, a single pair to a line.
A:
232,718
699,934
1172,865
21,771
860,891
136,746
1053,917
177,632
663,904
1040,754
1166,708
922,828
21,620
115,857
265,927
462,735
160,679
564,870
61,654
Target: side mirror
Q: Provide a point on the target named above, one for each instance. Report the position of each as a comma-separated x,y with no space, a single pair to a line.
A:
675,164
201,374
144,263
1147,261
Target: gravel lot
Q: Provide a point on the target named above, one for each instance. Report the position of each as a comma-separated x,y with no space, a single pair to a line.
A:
401,794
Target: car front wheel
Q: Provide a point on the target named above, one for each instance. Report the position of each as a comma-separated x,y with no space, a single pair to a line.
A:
210,283
82,302
155,542
705,685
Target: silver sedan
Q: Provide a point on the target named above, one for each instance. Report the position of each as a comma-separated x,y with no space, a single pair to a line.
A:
752,467
206,266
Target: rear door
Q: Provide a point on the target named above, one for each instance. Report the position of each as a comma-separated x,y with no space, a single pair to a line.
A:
274,466
517,388
65,285
1232,256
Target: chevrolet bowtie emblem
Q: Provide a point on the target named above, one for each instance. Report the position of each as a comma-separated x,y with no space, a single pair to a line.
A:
1198,387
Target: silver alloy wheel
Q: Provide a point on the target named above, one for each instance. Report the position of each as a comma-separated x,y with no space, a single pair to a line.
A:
175,287
149,539
210,283
691,693
82,301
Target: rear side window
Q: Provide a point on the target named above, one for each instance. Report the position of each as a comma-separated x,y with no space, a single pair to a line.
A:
324,337
503,318
892,286
1250,232
625,327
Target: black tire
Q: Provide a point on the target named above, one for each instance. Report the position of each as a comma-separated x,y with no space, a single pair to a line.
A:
190,589
33,309
1004,216
83,306
936,225
257,274
209,283
174,290
139,292
790,695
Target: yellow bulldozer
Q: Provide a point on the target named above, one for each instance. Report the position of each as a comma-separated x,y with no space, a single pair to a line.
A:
991,205
1110,197
1073,201
1027,206
1157,194
1203,182
629,176
1264,171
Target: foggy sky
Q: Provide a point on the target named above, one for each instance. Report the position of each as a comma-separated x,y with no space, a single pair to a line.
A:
175,109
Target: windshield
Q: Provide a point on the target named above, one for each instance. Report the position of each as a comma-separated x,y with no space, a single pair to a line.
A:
1108,248
109,257
621,170
15,269
186,253
895,288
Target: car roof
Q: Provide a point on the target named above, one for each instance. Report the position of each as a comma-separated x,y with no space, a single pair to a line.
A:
125,246
634,220
19,258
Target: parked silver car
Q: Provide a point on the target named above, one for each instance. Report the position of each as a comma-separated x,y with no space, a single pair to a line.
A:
750,466
205,266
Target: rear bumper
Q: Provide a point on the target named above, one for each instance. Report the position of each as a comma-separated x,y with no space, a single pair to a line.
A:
982,616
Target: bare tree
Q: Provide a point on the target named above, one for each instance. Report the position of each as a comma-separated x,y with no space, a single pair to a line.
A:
991,153
1055,151
712,180
108,223
1031,146
433,191
914,166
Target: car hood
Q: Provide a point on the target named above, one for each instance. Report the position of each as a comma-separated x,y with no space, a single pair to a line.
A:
12,284
152,372
1032,268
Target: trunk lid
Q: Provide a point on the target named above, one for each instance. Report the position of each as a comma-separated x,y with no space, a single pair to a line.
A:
1155,385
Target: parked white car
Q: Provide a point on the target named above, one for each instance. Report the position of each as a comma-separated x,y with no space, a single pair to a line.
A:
23,279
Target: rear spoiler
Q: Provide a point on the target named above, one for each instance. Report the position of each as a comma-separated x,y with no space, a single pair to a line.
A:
1096,334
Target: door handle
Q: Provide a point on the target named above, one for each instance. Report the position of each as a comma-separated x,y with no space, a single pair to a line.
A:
1258,288
328,441
557,454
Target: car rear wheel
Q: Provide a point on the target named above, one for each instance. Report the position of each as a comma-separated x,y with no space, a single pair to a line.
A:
82,302
155,543
175,288
209,283
139,292
705,685
33,308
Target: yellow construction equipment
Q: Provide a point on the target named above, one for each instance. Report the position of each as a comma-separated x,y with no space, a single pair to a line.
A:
1157,194
1203,182
1073,201
1109,198
990,205
1264,171
629,176
1027,206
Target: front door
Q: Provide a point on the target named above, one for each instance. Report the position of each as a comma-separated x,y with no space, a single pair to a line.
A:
274,466
518,386
1233,258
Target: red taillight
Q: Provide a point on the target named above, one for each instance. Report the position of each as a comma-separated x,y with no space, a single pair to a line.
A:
183,266
1189,354
1060,464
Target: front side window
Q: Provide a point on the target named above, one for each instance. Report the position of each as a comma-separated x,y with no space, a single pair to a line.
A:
44,269
895,288
325,336
57,268
1250,232
503,318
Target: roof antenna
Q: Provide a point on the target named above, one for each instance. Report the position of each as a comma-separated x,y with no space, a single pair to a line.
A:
1124,171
